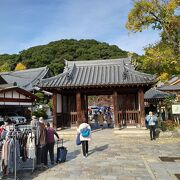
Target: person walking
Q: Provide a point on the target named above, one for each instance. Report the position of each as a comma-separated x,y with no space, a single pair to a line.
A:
152,120
41,144
50,141
85,136
100,119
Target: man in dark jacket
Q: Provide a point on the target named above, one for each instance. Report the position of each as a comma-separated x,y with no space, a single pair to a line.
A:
41,143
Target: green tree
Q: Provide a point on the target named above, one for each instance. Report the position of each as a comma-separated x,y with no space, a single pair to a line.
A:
159,59
41,98
157,14
5,67
54,53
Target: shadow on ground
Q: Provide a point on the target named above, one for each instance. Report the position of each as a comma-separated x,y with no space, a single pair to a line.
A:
98,149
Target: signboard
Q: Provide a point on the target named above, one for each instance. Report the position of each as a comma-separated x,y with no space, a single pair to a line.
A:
176,109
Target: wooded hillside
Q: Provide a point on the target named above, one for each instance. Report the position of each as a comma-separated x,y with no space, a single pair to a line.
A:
54,53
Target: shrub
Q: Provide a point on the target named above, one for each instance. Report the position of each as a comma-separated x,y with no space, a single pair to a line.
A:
40,113
168,125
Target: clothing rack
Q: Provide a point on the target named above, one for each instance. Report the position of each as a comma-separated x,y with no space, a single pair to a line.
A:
22,128
15,129
14,135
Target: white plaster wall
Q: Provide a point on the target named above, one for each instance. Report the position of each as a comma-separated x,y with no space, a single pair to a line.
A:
15,94
16,103
8,94
23,97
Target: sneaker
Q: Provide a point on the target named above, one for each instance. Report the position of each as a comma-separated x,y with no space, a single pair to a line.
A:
52,163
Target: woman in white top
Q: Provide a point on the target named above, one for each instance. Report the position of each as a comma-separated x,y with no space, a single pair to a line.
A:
85,136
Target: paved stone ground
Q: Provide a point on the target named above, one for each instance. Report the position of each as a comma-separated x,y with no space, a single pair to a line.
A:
114,157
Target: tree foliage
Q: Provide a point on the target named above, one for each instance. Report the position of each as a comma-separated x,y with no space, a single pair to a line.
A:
162,58
20,67
54,53
41,98
5,67
159,59
157,14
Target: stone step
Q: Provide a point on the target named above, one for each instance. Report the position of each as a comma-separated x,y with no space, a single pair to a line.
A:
131,127
132,132
125,132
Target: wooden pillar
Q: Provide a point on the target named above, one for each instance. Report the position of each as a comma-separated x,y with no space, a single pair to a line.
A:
141,119
85,107
78,106
160,112
54,98
115,106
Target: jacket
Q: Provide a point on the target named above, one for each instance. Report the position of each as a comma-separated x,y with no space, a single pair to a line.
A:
151,120
50,135
82,126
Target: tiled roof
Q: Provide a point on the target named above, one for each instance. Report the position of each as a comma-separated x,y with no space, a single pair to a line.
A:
155,94
173,80
110,72
25,79
170,88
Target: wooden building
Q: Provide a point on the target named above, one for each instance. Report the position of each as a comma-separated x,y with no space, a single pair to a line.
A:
16,88
154,101
80,79
172,87
14,99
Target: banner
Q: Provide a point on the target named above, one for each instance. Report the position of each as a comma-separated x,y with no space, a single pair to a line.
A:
176,109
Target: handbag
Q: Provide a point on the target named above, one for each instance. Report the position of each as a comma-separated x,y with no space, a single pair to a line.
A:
78,142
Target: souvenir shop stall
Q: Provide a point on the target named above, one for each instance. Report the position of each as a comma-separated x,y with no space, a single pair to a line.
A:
17,149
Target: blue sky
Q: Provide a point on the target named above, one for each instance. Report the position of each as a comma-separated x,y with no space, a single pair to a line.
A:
27,23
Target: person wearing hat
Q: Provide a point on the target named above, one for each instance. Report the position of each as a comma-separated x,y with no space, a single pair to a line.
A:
34,122
41,143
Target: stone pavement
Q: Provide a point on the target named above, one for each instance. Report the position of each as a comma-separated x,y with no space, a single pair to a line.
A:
112,156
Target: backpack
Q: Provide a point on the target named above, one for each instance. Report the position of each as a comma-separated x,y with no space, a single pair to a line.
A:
85,132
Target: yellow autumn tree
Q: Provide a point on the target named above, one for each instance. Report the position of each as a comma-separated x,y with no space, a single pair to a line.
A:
20,67
157,14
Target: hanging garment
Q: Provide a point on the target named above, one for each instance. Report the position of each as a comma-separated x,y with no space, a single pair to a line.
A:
11,155
31,148
24,146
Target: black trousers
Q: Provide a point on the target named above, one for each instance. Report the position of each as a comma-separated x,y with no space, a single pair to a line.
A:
50,149
41,154
84,147
152,132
